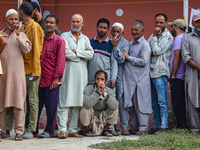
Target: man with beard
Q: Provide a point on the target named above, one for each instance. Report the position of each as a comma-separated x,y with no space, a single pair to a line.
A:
77,51
190,55
103,57
119,44
13,82
40,19
177,69
52,67
32,64
137,92
161,42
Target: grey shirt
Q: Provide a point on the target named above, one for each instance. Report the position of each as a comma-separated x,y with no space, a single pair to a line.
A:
191,50
119,56
94,99
136,76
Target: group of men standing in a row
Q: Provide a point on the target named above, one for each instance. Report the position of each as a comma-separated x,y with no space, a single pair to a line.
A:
139,70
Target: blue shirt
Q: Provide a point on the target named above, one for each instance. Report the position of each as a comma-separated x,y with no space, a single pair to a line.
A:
103,59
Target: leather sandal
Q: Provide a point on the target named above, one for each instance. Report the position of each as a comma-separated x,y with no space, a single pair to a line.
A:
141,132
194,132
18,137
106,133
125,132
132,132
62,135
88,133
75,134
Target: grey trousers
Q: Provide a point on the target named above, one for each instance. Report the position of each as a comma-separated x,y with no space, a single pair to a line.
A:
138,121
193,117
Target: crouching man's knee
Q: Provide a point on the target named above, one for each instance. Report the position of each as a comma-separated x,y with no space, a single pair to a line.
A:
86,116
112,116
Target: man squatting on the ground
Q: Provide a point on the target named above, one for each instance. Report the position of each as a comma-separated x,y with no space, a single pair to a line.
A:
100,108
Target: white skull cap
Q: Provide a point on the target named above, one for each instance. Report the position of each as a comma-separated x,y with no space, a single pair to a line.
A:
118,25
11,11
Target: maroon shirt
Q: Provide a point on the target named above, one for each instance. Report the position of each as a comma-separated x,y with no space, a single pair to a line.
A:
52,60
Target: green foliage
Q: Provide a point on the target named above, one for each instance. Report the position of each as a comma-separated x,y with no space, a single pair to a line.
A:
174,139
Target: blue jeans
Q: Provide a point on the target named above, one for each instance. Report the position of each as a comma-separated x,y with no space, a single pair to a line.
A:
159,101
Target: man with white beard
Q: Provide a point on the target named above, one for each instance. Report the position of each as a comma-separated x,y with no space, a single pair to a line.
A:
75,77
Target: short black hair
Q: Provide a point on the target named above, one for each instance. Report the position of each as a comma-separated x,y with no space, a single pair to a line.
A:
161,14
27,8
51,15
99,72
35,5
103,20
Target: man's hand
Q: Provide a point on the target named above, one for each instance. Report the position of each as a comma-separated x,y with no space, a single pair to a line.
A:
157,31
173,76
55,83
199,74
111,84
88,49
73,50
101,87
126,55
114,42
17,29
35,78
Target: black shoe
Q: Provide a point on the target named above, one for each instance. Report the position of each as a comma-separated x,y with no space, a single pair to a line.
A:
161,130
152,131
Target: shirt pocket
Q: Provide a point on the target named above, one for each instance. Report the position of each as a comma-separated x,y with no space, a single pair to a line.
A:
106,62
50,54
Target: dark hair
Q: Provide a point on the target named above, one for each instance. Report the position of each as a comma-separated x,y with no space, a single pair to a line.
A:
161,14
35,5
103,20
182,29
27,8
99,72
56,18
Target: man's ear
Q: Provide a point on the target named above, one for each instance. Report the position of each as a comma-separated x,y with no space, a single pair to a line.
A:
83,23
192,23
106,81
166,24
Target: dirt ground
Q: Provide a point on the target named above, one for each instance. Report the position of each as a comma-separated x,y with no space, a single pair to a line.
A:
57,144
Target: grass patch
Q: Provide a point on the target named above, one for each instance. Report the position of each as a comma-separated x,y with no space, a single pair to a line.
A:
170,140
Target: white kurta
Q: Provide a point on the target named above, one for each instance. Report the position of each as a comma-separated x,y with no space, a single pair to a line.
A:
75,76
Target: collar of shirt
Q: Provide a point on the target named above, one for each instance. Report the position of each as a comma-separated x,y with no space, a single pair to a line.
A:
138,41
51,37
194,33
29,22
106,40
4,34
72,36
164,33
